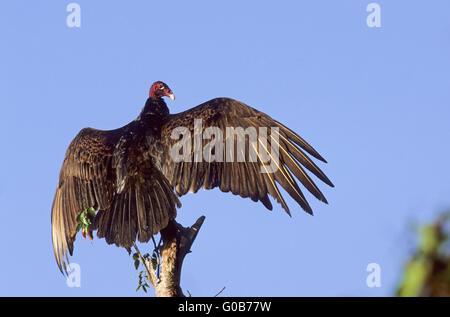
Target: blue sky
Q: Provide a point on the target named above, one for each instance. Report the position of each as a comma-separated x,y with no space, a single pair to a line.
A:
373,101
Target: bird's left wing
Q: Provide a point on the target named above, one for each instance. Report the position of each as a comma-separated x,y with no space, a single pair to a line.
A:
86,180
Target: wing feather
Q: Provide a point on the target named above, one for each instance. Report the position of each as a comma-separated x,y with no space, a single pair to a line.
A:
89,178
244,178
82,180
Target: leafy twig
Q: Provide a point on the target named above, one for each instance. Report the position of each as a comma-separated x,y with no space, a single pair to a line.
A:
144,263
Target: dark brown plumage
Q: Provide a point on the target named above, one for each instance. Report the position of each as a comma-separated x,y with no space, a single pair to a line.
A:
129,176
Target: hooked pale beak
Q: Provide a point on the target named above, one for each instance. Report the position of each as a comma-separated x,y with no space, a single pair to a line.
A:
171,96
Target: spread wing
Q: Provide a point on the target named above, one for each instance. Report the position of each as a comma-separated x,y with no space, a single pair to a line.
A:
112,173
86,180
245,177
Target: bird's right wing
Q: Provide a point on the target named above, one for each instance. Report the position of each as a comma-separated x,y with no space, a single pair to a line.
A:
247,178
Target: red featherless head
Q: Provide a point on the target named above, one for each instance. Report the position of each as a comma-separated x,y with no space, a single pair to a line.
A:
160,89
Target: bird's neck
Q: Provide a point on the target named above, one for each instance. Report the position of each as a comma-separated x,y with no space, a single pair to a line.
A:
155,107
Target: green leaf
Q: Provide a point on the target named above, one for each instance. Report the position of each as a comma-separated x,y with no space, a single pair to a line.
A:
414,278
91,212
429,240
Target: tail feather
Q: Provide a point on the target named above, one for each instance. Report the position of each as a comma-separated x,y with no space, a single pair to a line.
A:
142,210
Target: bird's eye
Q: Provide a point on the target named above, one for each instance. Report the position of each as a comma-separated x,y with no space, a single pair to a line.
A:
161,87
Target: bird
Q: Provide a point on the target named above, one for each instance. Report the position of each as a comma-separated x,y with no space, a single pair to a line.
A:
134,178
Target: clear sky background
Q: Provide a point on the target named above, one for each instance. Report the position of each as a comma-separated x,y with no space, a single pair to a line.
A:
373,101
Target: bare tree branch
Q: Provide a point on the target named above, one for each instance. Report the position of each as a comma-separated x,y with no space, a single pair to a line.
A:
177,242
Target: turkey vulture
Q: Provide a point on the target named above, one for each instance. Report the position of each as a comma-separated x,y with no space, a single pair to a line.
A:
129,174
